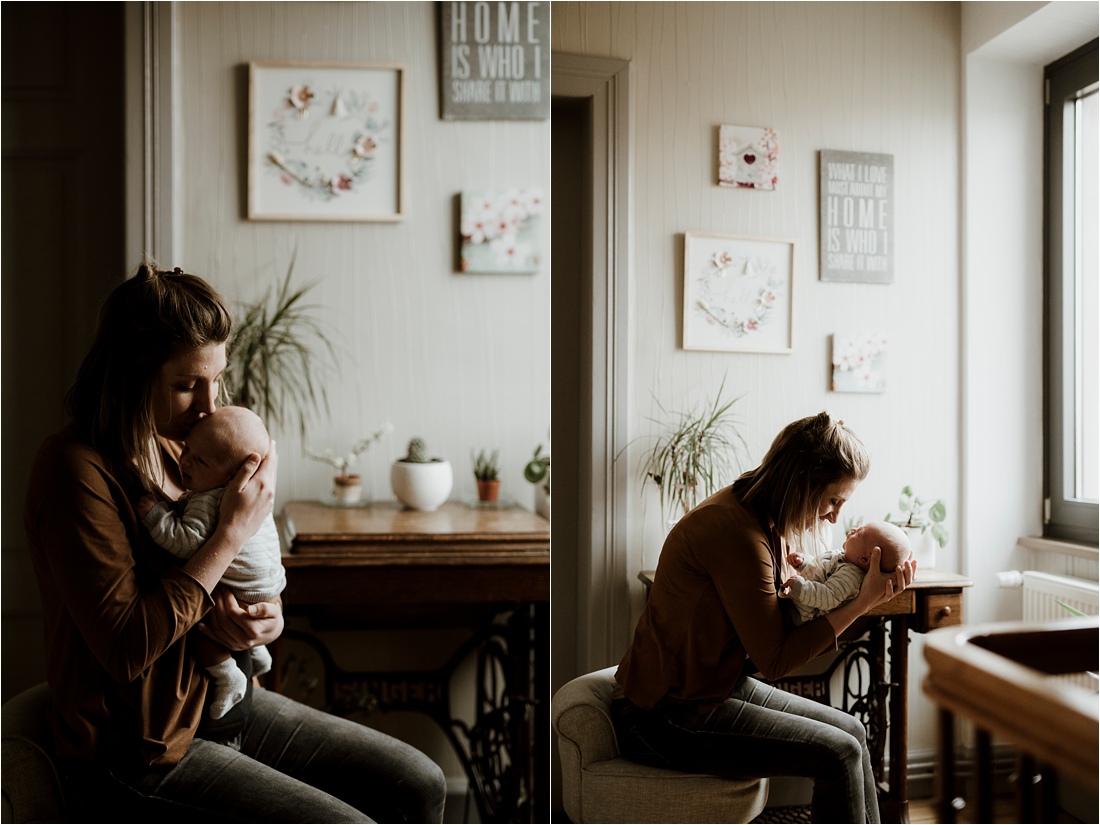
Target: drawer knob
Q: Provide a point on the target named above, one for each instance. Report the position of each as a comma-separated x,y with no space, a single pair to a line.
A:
945,610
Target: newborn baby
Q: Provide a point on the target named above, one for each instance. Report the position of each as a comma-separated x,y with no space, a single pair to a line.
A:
825,583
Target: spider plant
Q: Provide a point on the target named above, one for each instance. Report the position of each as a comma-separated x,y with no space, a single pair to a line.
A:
697,452
277,356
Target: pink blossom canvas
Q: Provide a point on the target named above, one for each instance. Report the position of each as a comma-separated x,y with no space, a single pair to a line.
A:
859,362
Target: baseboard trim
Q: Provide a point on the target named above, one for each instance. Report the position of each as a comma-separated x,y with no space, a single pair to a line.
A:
922,771
459,807
788,791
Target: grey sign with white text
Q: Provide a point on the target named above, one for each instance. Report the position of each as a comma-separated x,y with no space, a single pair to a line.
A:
496,61
857,217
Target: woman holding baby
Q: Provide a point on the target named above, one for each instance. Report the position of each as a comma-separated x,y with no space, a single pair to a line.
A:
686,698
130,725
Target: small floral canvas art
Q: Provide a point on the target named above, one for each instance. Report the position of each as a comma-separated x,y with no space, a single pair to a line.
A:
324,142
501,231
859,363
748,157
737,293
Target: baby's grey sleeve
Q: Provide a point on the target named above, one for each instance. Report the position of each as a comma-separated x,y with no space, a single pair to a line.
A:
184,533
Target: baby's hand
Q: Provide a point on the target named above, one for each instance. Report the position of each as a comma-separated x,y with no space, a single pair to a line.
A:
785,590
146,503
794,559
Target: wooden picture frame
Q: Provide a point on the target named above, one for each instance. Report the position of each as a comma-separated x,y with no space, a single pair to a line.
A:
737,293
325,141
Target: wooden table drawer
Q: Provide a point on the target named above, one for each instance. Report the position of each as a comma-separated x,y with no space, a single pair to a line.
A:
940,610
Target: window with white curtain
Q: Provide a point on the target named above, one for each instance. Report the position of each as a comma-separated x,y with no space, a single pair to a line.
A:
1072,297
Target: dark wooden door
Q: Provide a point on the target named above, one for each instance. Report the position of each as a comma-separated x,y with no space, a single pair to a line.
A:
62,248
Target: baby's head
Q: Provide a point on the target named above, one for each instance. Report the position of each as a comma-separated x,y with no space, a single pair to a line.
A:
217,446
890,538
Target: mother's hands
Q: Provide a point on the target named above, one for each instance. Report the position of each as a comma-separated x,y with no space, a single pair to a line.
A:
242,627
879,587
249,496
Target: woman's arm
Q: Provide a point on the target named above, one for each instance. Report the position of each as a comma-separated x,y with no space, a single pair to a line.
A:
242,627
739,561
878,587
80,530
727,545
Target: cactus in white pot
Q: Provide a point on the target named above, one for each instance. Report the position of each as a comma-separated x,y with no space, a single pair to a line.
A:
421,482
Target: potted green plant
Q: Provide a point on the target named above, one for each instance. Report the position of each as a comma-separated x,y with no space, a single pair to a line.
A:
419,481
347,487
487,474
918,517
697,452
277,355
537,472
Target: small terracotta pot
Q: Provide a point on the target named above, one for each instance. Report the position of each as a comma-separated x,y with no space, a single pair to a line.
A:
488,491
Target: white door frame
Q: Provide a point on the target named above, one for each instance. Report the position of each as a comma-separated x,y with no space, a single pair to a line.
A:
603,598
152,106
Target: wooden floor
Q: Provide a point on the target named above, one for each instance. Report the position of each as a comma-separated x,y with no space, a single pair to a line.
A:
923,812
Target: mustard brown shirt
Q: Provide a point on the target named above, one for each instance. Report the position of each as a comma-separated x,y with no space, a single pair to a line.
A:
116,609
712,605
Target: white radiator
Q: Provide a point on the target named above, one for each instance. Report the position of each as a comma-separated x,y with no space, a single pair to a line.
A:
1046,598
1045,595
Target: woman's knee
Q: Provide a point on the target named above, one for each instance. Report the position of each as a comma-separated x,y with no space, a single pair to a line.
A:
848,724
841,754
428,782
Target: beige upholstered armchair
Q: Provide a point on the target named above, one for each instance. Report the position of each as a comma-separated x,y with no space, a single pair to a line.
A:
598,785
31,785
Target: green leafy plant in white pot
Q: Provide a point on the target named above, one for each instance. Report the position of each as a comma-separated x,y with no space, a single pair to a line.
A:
537,472
419,481
697,452
924,523
347,487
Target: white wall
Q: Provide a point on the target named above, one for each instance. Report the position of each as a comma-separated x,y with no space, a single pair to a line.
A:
873,77
462,360
1003,327
1004,55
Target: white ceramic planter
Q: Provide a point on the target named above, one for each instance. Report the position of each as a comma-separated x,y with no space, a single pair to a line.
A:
422,486
924,547
542,501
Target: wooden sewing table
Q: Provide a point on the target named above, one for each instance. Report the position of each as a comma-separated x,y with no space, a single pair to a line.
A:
488,568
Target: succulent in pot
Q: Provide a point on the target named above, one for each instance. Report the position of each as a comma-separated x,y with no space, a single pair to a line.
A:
487,474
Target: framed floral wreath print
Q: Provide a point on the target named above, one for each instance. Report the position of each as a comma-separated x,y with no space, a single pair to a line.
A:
737,293
325,142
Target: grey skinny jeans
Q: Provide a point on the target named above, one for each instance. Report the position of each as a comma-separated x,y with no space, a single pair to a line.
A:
295,764
760,731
